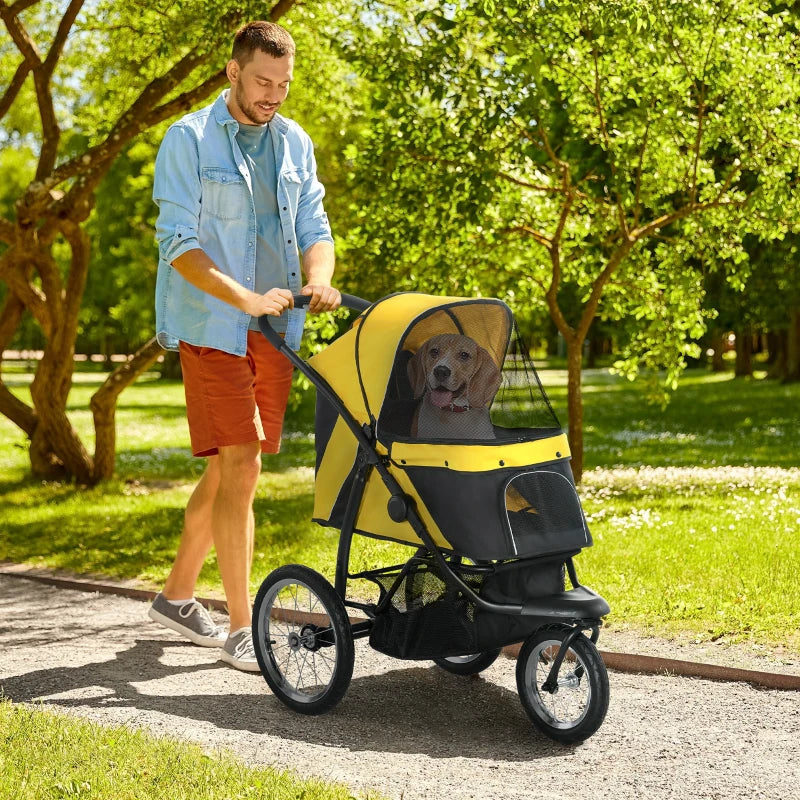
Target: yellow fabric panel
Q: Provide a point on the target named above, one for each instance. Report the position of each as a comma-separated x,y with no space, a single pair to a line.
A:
488,323
383,328
480,457
338,460
337,364
374,518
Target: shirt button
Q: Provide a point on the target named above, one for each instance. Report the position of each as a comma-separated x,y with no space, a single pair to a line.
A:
248,280
290,241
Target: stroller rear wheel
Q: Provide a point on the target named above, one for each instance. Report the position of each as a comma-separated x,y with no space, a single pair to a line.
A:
574,707
468,665
303,639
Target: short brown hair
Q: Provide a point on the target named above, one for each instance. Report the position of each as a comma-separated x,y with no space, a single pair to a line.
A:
268,37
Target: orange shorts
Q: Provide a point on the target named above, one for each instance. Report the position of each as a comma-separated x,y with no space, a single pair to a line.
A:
235,399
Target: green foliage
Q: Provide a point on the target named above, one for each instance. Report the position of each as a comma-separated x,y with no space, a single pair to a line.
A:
520,147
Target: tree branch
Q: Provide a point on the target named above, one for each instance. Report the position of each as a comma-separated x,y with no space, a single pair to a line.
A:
7,231
15,274
57,47
21,5
526,230
104,403
12,90
21,414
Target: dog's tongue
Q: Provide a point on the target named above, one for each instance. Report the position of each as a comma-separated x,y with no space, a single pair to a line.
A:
441,398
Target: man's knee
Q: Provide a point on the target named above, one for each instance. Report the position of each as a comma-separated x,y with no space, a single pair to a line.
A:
240,465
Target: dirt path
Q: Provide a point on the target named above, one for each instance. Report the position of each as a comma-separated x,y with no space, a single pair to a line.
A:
406,729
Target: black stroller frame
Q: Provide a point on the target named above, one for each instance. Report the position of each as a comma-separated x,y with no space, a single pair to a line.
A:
552,625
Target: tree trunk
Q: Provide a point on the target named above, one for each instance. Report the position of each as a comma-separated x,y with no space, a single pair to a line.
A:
744,353
793,347
777,343
575,404
718,347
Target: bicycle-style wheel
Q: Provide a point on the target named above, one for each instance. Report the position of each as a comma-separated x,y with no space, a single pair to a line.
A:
575,707
303,639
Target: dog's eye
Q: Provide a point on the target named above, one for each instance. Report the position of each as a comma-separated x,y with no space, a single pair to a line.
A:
433,352
464,355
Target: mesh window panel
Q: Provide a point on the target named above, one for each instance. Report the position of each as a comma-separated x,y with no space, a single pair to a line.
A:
462,373
544,512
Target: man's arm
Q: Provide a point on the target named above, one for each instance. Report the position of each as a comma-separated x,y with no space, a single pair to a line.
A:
198,268
318,264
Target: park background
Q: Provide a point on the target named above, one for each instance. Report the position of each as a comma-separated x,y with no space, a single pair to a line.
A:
623,174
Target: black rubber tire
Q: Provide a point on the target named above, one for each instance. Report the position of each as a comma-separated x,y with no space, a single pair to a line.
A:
468,665
276,641
583,674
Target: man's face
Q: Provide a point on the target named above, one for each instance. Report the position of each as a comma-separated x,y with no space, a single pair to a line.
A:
259,87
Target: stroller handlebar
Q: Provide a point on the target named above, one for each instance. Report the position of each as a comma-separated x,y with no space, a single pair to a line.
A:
301,301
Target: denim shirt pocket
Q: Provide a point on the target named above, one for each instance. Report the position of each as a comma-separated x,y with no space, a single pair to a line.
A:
225,193
292,182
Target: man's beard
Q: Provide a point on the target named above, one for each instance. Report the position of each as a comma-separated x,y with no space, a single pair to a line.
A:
251,110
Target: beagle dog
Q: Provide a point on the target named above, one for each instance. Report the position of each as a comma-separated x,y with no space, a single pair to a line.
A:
457,380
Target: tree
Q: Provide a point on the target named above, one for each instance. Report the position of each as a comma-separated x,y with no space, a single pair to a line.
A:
539,151
108,72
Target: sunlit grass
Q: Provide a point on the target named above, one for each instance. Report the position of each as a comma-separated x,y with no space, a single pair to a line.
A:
45,756
695,547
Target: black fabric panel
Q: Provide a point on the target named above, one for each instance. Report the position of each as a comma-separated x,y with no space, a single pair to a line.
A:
325,416
470,510
465,507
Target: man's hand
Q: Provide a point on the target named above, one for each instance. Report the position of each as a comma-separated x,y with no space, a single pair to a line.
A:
274,302
323,297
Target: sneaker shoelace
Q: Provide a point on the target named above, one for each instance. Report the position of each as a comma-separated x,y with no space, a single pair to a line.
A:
244,647
186,611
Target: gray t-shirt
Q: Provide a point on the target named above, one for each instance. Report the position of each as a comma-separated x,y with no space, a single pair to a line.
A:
255,143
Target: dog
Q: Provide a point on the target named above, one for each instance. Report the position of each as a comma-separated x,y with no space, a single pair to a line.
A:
456,380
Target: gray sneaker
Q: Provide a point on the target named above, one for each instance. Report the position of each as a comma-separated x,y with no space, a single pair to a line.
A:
191,620
238,651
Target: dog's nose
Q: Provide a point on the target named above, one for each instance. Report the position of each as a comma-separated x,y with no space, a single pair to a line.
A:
441,372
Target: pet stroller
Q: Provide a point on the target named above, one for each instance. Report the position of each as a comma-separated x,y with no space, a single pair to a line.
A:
494,519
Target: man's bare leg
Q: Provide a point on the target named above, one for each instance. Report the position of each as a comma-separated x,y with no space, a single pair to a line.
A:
232,526
197,537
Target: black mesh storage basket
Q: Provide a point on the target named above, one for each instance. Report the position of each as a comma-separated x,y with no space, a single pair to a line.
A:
427,619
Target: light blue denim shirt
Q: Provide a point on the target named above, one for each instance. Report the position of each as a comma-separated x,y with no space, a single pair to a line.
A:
204,193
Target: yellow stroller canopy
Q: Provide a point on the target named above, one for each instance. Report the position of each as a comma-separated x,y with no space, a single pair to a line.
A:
479,495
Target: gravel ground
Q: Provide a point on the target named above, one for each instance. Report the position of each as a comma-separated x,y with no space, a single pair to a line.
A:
406,729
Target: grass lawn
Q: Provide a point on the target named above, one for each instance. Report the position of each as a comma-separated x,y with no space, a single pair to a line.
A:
695,509
44,756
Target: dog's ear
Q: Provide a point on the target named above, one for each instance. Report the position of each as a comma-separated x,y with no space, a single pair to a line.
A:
485,382
416,371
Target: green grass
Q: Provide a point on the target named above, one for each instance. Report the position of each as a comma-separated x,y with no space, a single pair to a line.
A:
44,756
696,548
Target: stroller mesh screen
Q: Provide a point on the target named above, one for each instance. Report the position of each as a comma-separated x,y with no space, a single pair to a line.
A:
464,373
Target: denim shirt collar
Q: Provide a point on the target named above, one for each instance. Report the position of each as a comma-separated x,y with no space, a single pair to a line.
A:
223,116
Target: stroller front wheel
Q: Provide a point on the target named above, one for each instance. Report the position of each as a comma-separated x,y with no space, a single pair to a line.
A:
574,707
468,665
303,639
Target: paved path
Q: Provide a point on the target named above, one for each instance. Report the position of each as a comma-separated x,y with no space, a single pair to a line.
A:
406,729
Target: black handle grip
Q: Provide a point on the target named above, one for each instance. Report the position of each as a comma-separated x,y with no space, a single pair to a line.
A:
301,301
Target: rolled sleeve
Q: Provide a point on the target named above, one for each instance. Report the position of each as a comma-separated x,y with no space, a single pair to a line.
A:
312,222
177,193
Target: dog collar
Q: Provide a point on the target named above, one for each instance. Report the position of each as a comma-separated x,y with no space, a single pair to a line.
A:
457,409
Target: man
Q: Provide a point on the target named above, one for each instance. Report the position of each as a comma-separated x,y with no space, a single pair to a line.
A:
239,201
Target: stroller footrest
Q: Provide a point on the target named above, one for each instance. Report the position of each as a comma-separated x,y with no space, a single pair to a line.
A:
578,603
